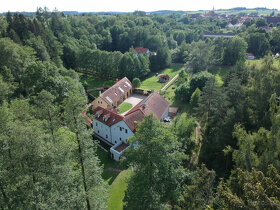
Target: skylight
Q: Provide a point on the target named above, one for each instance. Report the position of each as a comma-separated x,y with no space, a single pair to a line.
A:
121,89
110,100
128,84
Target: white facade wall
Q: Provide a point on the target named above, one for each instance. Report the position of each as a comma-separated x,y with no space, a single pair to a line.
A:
165,114
120,132
102,130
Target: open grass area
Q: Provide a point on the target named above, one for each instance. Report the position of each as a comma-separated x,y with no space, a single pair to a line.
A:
152,81
117,190
116,178
124,107
96,83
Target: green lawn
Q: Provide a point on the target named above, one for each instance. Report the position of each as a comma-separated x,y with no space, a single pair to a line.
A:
116,178
96,83
117,189
151,82
124,107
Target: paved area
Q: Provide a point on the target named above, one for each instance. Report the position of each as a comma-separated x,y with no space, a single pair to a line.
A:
133,99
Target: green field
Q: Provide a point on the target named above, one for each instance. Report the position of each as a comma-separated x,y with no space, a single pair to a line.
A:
151,82
96,83
116,178
124,107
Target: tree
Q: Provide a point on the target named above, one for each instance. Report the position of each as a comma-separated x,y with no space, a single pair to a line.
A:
199,56
195,98
15,57
136,82
258,44
185,132
261,22
275,40
89,164
199,80
235,50
249,190
161,60
158,173
199,193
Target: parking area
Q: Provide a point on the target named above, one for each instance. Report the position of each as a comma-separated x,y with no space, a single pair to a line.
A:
133,99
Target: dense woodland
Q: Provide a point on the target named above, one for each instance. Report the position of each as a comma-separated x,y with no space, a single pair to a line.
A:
48,157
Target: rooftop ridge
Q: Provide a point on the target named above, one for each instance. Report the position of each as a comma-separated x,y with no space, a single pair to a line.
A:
114,86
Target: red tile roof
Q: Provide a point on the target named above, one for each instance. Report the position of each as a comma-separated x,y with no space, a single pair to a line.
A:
141,50
132,118
122,147
249,54
103,114
153,104
115,93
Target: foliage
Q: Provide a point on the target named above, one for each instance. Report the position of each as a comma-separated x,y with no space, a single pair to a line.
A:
234,51
249,190
136,82
199,193
157,171
195,98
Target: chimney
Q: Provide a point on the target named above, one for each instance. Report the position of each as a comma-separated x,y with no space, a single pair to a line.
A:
144,106
99,92
117,80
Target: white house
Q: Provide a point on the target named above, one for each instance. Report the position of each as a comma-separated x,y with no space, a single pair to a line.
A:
115,129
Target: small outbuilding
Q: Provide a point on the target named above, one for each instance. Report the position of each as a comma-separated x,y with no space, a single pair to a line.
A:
163,78
250,56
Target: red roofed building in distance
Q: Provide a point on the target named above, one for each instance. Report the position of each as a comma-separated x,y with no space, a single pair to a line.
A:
163,78
250,56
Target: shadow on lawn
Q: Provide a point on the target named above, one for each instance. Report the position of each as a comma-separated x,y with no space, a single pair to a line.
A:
111,168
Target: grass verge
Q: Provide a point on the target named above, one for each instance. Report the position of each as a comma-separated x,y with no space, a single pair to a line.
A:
124,107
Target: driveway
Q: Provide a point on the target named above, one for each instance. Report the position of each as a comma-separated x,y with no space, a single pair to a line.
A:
133,99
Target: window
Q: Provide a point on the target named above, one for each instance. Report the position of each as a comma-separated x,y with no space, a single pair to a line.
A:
120,138
120,128
96,124
101,102
115,142
106,136
125,130
98,131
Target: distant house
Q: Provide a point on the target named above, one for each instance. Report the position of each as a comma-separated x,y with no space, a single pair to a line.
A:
250,56
235,26
115,95
163,78
143,51
115,129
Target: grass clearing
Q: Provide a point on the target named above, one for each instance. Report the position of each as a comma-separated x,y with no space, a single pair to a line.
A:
124,107
152,81
116,179
96,83
117,190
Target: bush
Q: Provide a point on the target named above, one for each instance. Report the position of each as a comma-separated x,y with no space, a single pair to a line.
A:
136,82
